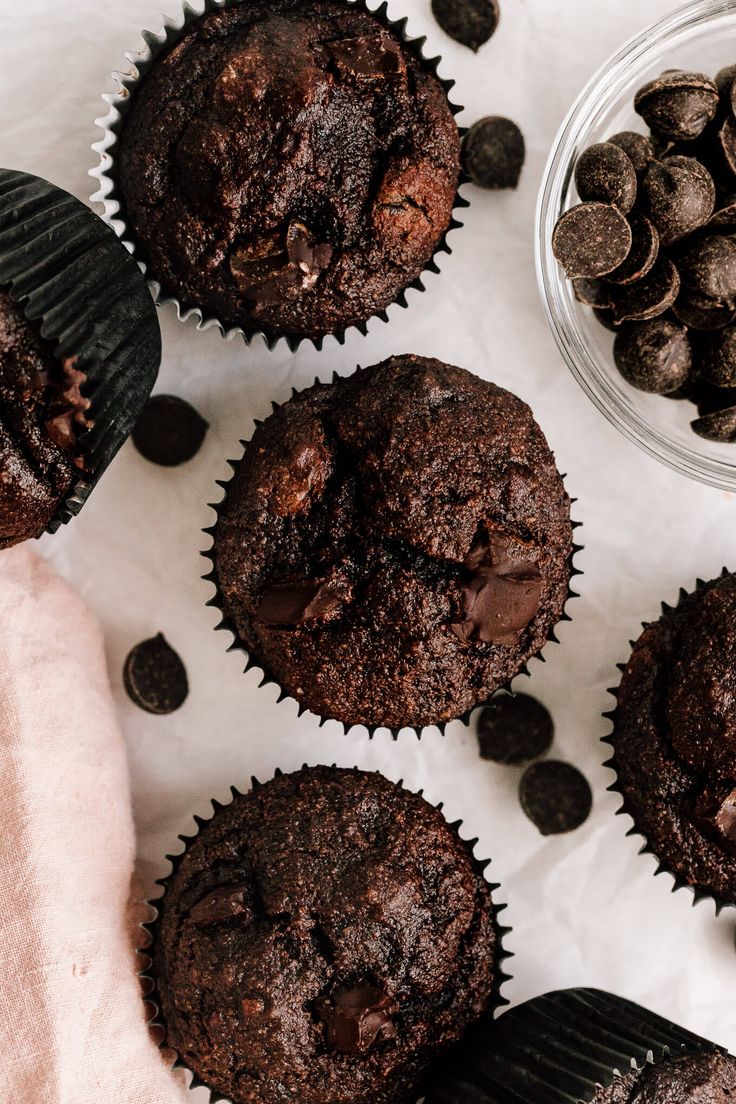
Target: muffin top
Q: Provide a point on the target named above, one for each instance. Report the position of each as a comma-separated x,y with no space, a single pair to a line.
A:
41,414
675,736
289,167
320,940
708,1078
395,545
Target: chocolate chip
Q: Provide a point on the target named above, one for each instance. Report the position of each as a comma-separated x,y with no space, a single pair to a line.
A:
513,729
504,590
653,356
637,147
591,239
707,266
605,316
169,431
155,677
724,81
649,297
717,358
680,196
556,796
642,255
593,293
493,152
357,1017
220,904
604,173
719,426
284,604
678,104
470,22
700,313
710,399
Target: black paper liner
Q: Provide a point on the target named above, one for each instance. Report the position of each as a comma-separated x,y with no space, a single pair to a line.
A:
150,927
110,196
269,678
699,892
69,272
559,1048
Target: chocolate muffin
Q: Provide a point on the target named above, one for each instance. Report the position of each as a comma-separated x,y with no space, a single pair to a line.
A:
321,940
289,167
674,737
708,1078
394,546
42,413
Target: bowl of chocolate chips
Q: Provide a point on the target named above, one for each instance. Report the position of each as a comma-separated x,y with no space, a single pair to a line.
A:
636,241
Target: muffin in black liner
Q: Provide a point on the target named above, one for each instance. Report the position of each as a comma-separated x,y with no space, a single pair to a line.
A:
699,892
151,930
560,1048
269,678
109,194
75,281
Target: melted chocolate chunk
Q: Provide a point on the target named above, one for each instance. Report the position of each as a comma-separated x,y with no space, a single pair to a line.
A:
220,904
368,58
284,604
155,677
169,431
714,814
357,1018
503,593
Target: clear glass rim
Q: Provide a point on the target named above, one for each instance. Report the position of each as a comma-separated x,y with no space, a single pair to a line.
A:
613,405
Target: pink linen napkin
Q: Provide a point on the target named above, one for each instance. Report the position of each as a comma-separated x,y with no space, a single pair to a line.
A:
72,1021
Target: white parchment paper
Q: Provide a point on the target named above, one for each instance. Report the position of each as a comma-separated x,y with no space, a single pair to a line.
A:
585,908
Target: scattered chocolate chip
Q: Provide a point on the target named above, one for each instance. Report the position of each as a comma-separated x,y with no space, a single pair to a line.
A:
220,904
284,604
679,195
513,729
649,297
642,255
555,796
637,147
604,173
719,426
591,239
504,591
678,104
155,677
702,314
169,431
717,358
653,356
493,152
593,293
357,1018
707,266
469,22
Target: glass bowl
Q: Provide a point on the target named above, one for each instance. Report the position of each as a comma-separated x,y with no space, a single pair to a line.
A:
701,37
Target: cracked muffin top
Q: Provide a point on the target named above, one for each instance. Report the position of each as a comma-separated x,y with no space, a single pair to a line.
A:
674,737
41,414
289,167
321,940
395,545
708,1078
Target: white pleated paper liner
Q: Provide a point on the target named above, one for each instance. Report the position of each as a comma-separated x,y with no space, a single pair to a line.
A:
699,892
559,1048
72,276
226,624
151,929
161,41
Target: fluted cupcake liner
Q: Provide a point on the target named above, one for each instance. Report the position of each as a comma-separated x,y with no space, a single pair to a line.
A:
71,275
559,1048
150,928
699,893
269,678
108,193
